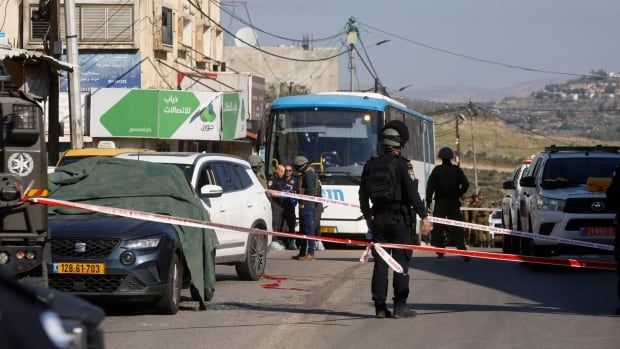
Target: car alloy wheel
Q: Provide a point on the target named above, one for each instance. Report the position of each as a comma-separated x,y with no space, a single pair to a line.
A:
255,258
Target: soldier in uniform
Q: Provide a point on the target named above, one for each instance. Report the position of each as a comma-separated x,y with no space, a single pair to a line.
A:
387,184
478,237
446,185
256,163
307,185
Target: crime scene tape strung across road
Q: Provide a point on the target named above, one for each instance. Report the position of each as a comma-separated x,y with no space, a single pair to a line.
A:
479,209
379,247
462,224
154,217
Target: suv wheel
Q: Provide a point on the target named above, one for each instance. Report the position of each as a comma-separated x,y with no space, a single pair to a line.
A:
255,258
169,302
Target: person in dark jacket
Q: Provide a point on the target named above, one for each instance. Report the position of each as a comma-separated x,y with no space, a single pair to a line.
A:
290,186
387,184
307,185
446,185
276,183
613,200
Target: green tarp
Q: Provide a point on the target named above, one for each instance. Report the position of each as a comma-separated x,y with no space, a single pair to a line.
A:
142,186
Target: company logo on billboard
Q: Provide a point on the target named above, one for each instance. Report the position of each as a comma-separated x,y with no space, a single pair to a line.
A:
205,112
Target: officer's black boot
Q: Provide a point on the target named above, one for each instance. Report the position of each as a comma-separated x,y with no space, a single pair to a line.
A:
381,311
401,310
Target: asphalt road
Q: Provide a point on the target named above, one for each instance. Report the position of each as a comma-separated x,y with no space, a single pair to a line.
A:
326,304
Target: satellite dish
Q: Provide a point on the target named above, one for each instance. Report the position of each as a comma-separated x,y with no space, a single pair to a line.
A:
246,34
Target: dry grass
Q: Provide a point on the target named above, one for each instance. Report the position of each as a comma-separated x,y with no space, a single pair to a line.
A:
498,143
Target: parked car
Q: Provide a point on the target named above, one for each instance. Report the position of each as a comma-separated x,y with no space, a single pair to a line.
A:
235,197
559,198
115,257
105,257
495,220
37,317
510,206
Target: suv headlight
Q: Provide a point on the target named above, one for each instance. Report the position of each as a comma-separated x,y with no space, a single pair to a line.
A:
138,244
548,204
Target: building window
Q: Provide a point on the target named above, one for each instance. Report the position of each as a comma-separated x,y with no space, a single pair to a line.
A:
93,24
38,29
166,26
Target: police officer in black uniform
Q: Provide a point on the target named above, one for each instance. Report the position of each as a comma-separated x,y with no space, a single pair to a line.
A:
447,184
387,184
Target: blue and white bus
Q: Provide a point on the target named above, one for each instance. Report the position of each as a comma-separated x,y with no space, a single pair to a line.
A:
338,132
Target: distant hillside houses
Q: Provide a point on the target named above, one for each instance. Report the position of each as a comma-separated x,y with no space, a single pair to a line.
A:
602,86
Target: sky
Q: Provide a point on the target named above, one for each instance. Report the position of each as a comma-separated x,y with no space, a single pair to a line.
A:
554,35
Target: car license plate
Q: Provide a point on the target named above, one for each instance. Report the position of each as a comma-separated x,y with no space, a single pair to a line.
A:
79,268
599,231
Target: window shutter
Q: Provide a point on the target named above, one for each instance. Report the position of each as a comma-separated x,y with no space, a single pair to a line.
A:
120,23
61,22
38,29
93,23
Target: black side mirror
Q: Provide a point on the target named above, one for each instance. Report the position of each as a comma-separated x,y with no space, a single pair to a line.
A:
508,185
528,182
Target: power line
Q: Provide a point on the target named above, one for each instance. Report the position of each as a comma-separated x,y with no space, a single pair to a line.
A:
481,60
368,57
262,54
193,3
233,15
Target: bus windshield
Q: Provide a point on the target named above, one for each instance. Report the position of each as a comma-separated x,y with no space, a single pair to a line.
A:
337,142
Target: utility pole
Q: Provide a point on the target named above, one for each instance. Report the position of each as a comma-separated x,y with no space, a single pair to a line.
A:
351,40
75,101
472,113
459,117
53,42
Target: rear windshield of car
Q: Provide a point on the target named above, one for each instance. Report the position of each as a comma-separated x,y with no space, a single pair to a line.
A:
568,172
187,169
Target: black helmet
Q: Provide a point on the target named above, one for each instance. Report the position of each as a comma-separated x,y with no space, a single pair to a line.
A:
402,129
391,137
445,153
300,162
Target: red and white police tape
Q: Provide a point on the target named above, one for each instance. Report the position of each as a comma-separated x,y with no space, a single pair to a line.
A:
379,247
461,224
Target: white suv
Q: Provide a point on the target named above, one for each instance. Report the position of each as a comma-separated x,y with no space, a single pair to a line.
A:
560,198
233,195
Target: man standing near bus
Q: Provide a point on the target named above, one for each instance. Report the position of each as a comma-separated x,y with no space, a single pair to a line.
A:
307,185
387,184
446,185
